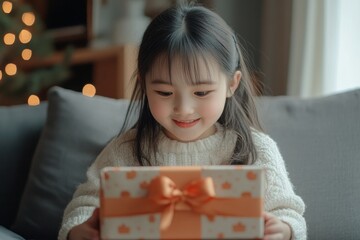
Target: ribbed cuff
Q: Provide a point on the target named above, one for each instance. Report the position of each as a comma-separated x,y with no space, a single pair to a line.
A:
298,229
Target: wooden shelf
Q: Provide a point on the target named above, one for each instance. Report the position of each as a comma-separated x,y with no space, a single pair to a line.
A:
113,67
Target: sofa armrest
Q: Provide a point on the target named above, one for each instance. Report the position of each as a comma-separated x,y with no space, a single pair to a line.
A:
7,234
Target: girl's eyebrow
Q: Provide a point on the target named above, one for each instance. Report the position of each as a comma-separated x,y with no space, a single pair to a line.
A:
205,82
160,81
202,82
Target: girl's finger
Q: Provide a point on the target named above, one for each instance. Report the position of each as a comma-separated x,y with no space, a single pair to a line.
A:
276,228
276,236
94,219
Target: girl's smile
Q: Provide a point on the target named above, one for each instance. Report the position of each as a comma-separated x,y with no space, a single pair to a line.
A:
186,123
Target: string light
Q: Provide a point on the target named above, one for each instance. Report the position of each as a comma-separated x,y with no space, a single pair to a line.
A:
10,69
89,90
9,38
7,6
28,18
26,54
18,32
25,36
33,100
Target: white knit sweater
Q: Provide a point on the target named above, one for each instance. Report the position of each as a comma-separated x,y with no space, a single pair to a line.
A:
280,198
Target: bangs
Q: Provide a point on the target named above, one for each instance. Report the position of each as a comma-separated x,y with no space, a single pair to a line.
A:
192,64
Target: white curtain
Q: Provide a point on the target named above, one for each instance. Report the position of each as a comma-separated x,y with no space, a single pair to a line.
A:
349,46
321,44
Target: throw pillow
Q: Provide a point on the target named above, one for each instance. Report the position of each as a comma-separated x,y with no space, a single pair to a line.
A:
76,130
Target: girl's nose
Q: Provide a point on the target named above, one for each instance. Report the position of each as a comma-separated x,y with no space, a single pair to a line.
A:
183,105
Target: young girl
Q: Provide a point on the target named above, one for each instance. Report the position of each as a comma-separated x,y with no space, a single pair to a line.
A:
195,98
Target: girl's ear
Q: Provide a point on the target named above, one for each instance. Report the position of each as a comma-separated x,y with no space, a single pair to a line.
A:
234,84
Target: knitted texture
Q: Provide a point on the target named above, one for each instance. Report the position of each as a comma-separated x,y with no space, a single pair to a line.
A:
280,198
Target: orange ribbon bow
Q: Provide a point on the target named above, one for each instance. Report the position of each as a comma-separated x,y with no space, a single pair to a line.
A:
164,192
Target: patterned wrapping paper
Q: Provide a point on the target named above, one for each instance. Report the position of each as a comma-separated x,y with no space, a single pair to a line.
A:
210,202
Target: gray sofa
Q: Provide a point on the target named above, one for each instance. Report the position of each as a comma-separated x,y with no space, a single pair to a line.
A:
45,151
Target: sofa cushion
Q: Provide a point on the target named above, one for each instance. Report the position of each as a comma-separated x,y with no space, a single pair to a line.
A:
76,130
319,140
20,128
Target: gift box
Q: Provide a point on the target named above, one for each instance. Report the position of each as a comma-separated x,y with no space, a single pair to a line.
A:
209,202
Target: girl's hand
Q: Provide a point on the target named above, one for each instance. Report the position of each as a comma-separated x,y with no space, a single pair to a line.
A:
88,230
275,229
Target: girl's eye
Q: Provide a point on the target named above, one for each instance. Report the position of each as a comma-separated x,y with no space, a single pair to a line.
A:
164,94
202,94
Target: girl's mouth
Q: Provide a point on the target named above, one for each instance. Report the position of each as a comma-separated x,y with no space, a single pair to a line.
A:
186,123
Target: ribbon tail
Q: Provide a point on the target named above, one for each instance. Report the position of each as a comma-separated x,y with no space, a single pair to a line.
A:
167,216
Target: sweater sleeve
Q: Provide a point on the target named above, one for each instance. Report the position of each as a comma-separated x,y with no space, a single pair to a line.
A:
280,198
86,196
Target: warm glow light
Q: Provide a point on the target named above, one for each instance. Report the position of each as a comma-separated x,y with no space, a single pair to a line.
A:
33,100
7,6
89,90
25,36
28,18
10,69
0,75
9,39
26,54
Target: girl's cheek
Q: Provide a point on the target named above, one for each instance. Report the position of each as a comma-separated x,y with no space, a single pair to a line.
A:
159,108
158,111
213,108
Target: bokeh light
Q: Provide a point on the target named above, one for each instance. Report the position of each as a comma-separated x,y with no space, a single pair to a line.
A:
25,36
10,69
26,54
89,90
7,6
33,100
28,18
9,38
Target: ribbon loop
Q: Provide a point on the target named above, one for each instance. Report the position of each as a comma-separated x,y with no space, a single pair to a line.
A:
163,191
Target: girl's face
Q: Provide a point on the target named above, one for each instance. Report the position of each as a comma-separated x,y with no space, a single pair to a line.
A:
188,112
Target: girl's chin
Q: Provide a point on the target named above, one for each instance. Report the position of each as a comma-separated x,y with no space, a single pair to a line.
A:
186,138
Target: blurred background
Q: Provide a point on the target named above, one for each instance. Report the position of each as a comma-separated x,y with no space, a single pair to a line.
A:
304,48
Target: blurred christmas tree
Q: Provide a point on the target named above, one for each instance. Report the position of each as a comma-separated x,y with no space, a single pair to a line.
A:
22,38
